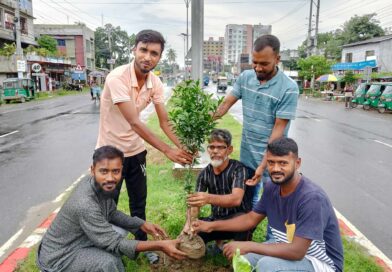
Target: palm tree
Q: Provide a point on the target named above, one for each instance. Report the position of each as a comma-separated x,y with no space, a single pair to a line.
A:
171,58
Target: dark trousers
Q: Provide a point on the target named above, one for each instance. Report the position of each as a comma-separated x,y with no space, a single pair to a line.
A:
224,235
348,102
134,174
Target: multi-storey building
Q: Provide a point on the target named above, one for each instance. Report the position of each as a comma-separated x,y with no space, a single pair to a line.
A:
239,40
213,54
75,42
7,22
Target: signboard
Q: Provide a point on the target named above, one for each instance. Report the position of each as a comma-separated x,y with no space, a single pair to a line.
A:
36,67
21,66
367,72
354,65
78,68
38,74
111,61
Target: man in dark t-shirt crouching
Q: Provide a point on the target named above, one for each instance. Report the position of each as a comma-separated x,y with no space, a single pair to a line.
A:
222,185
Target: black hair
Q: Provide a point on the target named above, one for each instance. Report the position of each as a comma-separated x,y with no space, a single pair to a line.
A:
283,146
267,40
221,135
107,152
150,36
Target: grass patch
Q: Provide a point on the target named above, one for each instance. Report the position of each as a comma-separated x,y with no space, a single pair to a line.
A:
166,207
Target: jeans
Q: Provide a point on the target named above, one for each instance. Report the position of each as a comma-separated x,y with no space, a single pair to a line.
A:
272,264
134,173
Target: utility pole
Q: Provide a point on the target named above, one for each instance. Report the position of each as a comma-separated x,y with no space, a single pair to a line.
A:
309,44
110,47
102,19
187,36
317,26
19,51
197,39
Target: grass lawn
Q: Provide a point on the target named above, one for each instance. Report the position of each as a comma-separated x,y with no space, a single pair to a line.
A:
166,207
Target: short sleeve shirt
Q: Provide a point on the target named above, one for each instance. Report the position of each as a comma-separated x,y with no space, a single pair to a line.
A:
234,176
121,86
261,105
306,213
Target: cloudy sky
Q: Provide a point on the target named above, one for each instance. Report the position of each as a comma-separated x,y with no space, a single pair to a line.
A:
289,18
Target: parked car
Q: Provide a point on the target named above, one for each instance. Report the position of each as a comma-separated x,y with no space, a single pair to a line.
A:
20,89
221,85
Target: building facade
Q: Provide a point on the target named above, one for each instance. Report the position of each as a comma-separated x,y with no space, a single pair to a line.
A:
7,22
74,42
213,54
239,40
378,49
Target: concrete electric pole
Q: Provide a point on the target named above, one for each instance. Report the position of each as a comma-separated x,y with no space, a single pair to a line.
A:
19,51
197,39
309,42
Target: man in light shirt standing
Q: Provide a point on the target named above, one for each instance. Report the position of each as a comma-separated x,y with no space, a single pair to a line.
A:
128,90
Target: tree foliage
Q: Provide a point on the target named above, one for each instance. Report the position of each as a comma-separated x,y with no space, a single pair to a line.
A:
8,49
121,42
349,77
314,65
48,42
192,117
360,28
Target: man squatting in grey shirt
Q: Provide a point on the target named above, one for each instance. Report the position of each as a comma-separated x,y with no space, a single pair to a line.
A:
85,234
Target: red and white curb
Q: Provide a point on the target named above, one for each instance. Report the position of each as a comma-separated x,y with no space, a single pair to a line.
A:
349,230
21,253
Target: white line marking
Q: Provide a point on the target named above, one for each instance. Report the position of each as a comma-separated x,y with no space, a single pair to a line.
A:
9,243
13,132
388,145
363,241
61,196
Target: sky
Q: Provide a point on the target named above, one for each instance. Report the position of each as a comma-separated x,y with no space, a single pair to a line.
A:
289,18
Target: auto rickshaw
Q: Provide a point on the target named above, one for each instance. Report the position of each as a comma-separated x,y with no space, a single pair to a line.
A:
386,99
21,89
359,95
221,85
373,96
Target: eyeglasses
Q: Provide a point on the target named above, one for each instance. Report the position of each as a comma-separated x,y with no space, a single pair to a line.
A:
218,147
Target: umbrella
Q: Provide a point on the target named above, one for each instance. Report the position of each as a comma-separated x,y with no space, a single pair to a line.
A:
327,78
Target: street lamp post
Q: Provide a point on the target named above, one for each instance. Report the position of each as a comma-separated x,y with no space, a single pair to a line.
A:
185,36
187,22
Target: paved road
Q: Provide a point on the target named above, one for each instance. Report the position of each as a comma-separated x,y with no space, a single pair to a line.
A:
349,153
44,147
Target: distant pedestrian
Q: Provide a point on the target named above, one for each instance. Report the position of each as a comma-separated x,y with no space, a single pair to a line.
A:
128,90
348,95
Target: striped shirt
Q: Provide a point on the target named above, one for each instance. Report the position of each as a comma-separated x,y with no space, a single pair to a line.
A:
307,213
261,105
234,176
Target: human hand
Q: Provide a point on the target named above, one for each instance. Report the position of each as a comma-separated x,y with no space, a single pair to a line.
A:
154,230
169,247
179,156
201,226
229,249
256,177
198,199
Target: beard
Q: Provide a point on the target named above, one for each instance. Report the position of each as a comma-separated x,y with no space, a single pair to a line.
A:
219,162
285,180
106,194
144,70
265,75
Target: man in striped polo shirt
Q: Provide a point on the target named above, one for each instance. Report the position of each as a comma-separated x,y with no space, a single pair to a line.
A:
269,102
305,229
222,184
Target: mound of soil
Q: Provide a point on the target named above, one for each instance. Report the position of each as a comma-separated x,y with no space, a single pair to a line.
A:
193,246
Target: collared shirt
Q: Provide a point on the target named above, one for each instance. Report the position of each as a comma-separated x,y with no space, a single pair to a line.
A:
234,176
261,105
121,86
